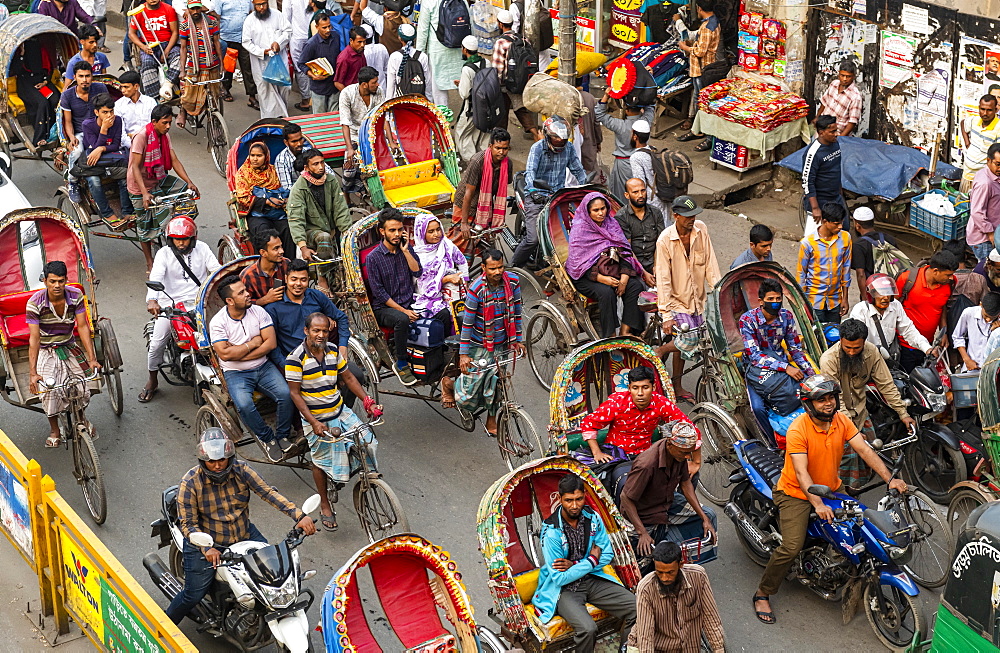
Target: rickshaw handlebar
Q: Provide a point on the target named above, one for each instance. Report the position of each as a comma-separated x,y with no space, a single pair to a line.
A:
49,385
339,435
506,359
176,197
188,80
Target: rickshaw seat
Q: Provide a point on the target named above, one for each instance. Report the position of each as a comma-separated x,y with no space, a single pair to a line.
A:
407,598
13,323
357,623
416,184
15,103
557,628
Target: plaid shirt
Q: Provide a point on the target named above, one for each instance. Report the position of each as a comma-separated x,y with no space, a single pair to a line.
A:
758,334
551,166
500,50
844,105
390,276
705,47
824,270
223,509
258,283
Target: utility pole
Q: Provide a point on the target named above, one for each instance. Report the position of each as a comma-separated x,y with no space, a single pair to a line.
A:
567,42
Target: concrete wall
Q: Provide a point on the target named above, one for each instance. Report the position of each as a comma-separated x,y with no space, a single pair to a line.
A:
987,8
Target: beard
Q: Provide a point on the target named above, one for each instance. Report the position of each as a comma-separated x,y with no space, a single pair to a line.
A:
674,588
639,203
263,15
851,365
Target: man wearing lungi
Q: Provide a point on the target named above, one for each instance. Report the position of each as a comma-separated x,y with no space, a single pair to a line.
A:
53,350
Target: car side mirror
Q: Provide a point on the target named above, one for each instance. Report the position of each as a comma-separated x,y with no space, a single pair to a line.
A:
822,491
201,540
155,286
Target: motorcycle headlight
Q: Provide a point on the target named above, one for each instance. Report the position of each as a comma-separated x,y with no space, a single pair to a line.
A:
281,597
937,401
899,554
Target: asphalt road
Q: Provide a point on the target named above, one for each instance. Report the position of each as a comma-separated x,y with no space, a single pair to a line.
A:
438,471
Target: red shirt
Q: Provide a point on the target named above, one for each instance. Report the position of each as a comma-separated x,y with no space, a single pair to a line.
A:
631,428
923,305
153,25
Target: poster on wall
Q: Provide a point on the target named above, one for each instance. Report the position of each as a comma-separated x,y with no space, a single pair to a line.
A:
978,74
586,31
896,61
626,23
14,513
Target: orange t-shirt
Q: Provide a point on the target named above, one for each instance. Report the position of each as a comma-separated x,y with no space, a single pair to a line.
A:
823,448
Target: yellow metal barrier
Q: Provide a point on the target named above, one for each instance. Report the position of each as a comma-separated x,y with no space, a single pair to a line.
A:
78,578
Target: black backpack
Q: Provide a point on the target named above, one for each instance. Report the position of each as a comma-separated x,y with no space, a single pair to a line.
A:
672,172
546,35
643,94
413,79
404,7
486,99
522,63
453,23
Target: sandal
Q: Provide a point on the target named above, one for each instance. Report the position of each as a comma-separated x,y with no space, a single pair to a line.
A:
689,136
302,106
227,96
329,522
53,442
684,395
764,617
147,394
703,146
253,104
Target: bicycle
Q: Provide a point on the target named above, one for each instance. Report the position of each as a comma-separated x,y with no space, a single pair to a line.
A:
218,134
378,508
79,433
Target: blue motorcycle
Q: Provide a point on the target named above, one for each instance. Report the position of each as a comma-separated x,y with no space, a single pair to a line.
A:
859,555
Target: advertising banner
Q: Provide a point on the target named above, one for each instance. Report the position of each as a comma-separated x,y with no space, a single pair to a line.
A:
14,513
83,585
123,629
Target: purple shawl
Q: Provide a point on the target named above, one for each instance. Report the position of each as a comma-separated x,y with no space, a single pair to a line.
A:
438,261
588,240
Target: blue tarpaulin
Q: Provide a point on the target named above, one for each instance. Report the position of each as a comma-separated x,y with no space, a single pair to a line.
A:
876,169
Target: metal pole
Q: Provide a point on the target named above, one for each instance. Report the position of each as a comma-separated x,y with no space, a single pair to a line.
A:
567,42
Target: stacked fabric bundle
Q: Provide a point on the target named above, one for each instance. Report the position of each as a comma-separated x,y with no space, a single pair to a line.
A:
668,65
752,104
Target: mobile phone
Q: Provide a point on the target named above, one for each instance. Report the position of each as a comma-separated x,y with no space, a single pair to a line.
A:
279,283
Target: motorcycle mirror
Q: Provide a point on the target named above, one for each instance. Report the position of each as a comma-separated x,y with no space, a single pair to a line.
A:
201,540
310,504
306,575
822,491
155,286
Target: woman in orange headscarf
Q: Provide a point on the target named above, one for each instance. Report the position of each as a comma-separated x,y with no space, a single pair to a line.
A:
260,197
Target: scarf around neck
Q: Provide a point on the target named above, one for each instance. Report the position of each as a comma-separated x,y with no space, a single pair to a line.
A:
491,206
156,160
249,177
490,312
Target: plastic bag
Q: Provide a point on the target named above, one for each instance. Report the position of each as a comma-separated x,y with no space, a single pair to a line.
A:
276,71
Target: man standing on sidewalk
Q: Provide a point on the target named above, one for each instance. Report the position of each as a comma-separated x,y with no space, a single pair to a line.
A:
977,137
824,267
984,201
621,171
233,13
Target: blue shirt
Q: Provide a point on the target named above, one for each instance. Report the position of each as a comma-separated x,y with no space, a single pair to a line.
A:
289,320
100,66
232,14
550,167
318,48
748,257
70,101
390,276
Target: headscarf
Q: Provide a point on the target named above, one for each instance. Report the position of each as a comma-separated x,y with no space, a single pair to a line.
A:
249,177
438,260
588,240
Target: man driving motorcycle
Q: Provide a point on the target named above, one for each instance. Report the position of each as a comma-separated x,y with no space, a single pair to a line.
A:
214,498
182,266
815,445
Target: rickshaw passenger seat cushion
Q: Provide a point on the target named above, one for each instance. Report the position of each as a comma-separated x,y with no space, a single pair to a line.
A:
13,324
407,598
357,623
13,101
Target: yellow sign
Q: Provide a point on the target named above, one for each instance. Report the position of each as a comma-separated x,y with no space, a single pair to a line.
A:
624,33
628,5
83,585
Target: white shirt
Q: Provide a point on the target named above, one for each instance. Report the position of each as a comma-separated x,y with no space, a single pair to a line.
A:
297,14
259,35
134,115
224,328
392,71
894,321
377,57
972,332
373,18
177,283
353,109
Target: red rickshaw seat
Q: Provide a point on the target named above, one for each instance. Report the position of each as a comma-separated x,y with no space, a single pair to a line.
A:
13,323
407,599
357,623
387,332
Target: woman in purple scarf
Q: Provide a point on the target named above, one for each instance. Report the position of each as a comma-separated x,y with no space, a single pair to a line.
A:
444,267
603,267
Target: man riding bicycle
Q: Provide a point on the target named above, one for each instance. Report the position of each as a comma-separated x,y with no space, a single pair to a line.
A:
201,58
214,498
182,266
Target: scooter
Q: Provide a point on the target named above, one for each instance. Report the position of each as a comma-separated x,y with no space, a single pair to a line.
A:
256,599
183,361
860,554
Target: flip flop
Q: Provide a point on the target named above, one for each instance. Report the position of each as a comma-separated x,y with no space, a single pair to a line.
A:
684,396
689,136
147,394
227,96
764,617
53,442
329,522
301,106
253,104
703,146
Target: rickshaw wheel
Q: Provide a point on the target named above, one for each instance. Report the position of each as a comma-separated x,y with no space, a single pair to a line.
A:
932,543
113,383
531,290
218,141
963,502
205,419
229,250
517,437
5,148
892,628
357,354
82,215
91,478
935,467
548,345
707,389
490,641
379,510
719,433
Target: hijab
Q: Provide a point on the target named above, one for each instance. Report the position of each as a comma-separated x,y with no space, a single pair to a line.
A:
249,177
438,260
588,239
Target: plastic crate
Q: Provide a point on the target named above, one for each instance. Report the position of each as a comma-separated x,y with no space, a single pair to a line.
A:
941,226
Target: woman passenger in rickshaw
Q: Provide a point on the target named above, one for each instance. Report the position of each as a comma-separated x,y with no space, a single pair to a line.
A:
445,270
604,268
260,197
32,68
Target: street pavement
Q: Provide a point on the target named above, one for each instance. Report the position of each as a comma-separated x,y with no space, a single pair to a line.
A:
438,471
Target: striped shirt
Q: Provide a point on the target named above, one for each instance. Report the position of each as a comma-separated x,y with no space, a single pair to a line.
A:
202,52
980,138
55,331
223,509
318,378
666,622
824,270
474,320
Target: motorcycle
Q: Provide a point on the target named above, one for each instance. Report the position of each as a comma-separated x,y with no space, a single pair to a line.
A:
858,556
256,599
183,361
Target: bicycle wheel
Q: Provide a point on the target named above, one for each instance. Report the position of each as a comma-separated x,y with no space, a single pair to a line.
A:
531,290
718,460
931,546
88,473
379,510
517,437
708,387
218,141
963,502
547,345
113,385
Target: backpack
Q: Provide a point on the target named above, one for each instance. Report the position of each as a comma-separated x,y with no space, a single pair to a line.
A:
643,93
546,35
887,257
672,172
453,23
522,63
413,79
486,105
404,7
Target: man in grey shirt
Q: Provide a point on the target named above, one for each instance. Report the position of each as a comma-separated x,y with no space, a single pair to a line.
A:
761,240
621,171
642,164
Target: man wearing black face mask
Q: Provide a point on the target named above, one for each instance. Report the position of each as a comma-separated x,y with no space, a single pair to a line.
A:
641,221
674,606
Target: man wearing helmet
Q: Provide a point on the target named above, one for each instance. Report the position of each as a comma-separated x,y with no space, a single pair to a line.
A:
544,174
182,266
886,320
815,445
214,498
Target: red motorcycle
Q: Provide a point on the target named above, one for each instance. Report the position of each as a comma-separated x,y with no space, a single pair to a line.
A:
183,361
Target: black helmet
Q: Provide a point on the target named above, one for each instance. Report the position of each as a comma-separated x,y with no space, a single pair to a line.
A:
214,445
817,387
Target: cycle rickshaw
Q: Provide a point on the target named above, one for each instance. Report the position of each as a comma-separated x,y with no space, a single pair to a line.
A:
30,238
560,314
371,349
414,582
509,523
58,45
